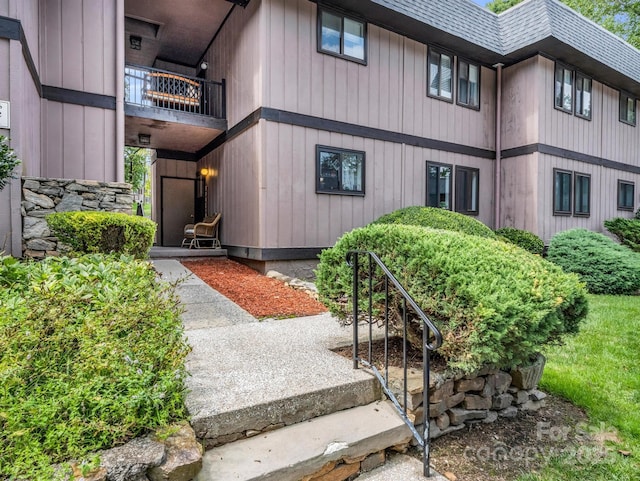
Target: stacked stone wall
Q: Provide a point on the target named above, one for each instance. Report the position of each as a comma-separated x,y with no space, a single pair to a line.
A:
42,196
482,397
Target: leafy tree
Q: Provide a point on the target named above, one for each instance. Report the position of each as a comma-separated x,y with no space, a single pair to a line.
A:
135,167
499,6
621,17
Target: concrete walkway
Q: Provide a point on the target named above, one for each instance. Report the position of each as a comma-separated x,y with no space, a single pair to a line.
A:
246,371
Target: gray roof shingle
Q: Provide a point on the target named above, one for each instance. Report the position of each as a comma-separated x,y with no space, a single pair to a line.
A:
522,26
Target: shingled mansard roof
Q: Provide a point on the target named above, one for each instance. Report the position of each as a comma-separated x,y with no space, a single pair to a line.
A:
531,27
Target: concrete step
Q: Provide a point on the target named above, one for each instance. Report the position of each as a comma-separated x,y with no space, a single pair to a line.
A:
259,376
293,452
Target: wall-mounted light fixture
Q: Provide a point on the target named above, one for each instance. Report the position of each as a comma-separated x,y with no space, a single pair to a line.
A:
135,42
144,139
204,65
204,172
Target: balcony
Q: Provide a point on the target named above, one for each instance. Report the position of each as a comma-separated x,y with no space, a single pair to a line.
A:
177,112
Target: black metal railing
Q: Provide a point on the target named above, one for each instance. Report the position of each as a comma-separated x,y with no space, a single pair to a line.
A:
151,87
431,337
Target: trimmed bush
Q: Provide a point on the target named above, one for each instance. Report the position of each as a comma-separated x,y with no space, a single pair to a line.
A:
89,232
522,238
437,219
626,230
605,267
494,302
91,355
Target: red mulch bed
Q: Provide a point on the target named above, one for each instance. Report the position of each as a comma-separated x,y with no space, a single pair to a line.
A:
257,294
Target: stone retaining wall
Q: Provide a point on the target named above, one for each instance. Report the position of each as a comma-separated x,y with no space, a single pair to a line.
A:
348,468
481,397
41,196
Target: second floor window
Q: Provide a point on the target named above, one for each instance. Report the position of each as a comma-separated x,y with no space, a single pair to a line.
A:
341,36
564,88
440,73
583,96
468,84
627,109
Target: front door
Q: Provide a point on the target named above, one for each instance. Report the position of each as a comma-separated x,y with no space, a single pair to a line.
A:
177,199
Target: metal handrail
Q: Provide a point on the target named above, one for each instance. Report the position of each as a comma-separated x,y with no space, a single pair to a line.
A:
428,328
152,87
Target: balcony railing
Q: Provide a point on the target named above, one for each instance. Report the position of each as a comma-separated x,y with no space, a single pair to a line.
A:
150,87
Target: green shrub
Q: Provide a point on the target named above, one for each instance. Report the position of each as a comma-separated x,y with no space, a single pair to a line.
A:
90,232
494,302
605,267
91,354
437,219
522,238
626,230
8,162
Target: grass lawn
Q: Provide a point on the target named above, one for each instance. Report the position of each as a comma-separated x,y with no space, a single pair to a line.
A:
599,370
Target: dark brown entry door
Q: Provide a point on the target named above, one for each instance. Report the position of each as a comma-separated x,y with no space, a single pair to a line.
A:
178,197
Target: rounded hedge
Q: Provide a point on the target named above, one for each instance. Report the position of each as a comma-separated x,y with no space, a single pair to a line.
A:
605,267
92,232
437,219
522,238
626,230
493,302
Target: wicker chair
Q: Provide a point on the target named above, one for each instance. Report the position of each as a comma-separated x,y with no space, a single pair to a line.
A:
203,232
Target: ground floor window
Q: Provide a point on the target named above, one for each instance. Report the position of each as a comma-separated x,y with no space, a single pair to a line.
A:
439,185
339,171
467,182
561,192
582,201
626,195
440,181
